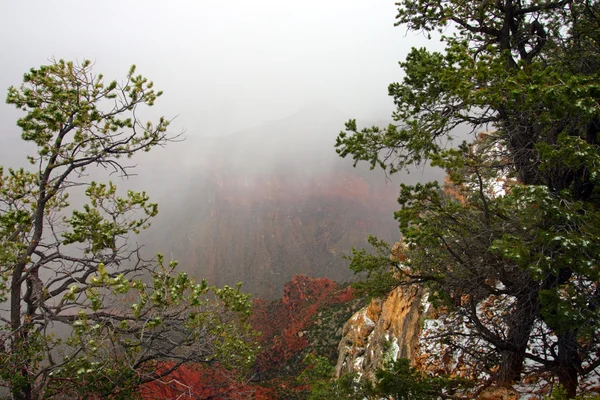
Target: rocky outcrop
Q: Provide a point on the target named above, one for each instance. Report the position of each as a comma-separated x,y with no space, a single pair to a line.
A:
386,329
499,393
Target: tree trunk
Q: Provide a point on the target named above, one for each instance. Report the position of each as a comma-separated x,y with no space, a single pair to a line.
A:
511,366
569,363
519,329
23,389
568,379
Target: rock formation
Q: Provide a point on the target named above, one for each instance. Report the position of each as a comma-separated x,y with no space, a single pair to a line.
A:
281,224
386,329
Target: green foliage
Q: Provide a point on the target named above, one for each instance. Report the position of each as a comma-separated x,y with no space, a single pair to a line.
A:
398,380
509,244
319,376
376,269
105,379
560,393
88,315
107,217
66,95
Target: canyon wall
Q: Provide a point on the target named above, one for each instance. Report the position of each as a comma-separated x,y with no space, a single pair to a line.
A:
263,205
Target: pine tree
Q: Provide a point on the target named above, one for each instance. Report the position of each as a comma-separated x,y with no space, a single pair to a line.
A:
128,320
528,71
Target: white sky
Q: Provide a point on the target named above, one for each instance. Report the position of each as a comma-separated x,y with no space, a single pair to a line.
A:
223,65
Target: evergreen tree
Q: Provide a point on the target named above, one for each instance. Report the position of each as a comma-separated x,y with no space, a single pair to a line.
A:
528,71
128,320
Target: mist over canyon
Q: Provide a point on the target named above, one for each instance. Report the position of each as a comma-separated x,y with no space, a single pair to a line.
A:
261,205
272,199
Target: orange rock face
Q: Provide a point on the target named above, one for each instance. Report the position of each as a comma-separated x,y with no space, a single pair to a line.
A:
499,393
386,329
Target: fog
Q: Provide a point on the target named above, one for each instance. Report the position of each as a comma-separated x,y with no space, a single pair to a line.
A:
228,69
223,65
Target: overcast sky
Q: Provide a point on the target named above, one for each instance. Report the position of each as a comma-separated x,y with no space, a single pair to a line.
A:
223,65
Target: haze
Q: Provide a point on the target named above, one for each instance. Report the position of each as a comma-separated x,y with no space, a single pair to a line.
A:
223,65
266,67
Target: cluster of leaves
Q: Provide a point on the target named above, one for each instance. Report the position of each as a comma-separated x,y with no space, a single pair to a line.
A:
396,380
509,245
306,320
88,315
559,393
